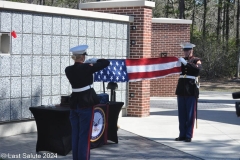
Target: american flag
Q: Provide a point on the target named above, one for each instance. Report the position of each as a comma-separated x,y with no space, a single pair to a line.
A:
130,70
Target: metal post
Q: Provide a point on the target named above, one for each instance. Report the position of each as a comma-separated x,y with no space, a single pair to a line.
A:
103,87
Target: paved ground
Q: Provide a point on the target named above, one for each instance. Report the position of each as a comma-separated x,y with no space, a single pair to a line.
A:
216,138
217,135
130,146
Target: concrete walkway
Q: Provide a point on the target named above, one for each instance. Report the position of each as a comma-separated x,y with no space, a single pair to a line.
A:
216,138
217,135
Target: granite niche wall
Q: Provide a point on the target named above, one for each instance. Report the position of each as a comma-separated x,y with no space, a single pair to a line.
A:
32,74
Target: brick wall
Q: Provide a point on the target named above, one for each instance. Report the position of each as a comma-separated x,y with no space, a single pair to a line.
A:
166,38
139,104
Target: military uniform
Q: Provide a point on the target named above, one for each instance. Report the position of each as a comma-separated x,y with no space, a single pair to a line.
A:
187,92
80,75
83,98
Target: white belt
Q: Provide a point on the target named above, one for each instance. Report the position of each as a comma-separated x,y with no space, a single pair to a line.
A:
191,77
186,76
82,89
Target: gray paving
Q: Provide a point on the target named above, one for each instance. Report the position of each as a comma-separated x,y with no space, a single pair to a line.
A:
216,138
130,146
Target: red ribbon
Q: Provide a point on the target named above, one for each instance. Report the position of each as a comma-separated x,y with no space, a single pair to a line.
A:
14,34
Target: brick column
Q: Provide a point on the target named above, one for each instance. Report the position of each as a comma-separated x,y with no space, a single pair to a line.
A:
167,34
138,106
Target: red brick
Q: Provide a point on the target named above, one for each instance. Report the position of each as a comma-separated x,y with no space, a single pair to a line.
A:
151,40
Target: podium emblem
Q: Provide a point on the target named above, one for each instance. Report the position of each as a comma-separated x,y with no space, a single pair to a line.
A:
98,126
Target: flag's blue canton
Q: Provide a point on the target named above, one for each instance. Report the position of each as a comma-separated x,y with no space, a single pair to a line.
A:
115,72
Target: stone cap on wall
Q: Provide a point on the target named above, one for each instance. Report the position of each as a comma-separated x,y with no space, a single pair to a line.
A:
171,20
117,4
63,11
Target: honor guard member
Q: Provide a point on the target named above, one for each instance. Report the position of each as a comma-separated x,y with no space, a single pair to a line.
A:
83,98
187,92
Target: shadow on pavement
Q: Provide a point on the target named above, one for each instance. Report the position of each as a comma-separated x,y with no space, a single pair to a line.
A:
228,117
216,101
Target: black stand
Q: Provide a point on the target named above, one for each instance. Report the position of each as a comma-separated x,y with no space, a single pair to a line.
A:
113,86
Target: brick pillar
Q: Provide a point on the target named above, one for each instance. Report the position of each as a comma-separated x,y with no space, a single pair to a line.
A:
167,34
138,106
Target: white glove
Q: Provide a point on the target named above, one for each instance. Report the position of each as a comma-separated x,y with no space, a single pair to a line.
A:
91,60
184,62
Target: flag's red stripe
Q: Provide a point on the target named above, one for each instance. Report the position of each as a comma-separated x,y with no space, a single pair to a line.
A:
144,75
149,61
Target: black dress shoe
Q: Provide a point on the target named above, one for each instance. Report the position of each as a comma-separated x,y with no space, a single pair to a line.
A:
188,140
180,139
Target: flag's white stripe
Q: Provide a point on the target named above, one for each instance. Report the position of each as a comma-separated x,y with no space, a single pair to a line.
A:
140,79
153,67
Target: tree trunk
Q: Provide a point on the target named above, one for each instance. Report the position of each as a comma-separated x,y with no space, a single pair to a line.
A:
227,22
167,9
181,9
204,18
237,24
224,22
79,1
193,19
237,36
219,18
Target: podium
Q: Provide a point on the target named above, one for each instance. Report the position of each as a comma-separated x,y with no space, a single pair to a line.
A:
54,127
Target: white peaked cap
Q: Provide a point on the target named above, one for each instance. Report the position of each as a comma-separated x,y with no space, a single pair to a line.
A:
81,49
187,45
